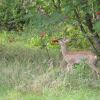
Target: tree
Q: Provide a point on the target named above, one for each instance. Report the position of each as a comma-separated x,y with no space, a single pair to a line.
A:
84,12
52,15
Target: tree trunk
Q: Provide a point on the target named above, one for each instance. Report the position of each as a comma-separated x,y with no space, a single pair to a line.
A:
95,37
96,40
93,40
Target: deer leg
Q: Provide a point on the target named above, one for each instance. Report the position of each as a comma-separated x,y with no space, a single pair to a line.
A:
69,67
62,63
95,70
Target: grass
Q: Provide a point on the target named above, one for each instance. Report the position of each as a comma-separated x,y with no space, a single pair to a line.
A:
51,94
27,74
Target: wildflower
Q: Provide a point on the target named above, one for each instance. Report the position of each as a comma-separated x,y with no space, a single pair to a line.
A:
42,34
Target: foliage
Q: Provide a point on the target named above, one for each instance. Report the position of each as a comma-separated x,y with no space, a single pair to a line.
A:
97,26
13,15
41,13
54,17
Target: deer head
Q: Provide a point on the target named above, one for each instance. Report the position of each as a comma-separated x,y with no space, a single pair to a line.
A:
63,41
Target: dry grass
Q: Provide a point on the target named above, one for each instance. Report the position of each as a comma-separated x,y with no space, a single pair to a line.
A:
28,71
23,68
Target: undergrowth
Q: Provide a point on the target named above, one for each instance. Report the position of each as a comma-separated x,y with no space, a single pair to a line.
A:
28,74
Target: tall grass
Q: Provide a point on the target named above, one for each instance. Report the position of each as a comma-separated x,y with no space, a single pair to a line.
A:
28,74
21,65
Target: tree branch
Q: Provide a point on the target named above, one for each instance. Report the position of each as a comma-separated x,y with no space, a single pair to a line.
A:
83,30
54,4
57,5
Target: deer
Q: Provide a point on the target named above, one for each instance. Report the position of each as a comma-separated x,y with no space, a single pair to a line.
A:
75,57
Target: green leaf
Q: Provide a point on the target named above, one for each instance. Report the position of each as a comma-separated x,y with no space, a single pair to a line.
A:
97,26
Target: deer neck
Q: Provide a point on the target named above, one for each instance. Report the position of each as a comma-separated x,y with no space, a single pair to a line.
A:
63,50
